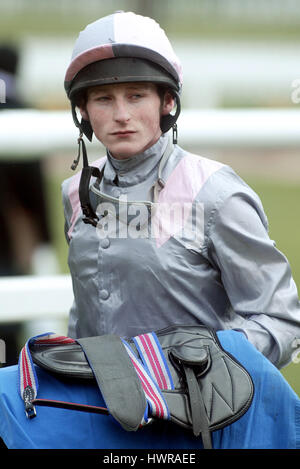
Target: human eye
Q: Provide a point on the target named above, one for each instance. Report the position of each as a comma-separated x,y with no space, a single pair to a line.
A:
102,99
136,96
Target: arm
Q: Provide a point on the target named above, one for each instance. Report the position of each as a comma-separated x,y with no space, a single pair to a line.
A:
256,276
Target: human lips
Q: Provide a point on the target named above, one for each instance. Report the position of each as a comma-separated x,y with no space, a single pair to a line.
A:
123,133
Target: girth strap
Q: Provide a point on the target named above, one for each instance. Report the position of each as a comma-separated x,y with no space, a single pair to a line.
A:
200,422
194,363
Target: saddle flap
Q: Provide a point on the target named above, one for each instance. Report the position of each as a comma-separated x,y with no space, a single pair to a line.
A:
65,360
225,385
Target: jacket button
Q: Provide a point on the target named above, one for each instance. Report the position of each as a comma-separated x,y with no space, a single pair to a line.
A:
104,294
105,243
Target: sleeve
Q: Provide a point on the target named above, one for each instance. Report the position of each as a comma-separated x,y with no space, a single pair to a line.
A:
256,276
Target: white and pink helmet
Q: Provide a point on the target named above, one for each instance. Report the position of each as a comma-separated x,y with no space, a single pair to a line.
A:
119,48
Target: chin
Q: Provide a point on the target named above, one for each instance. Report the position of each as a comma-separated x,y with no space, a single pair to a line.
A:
125,152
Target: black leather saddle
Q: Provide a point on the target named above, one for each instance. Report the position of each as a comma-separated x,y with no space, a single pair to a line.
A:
209,388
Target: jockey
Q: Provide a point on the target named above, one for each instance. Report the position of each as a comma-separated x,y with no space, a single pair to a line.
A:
157,235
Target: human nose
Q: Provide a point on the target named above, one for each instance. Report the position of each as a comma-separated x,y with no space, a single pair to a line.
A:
121,111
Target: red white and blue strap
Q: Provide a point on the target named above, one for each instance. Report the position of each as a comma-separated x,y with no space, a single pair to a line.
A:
28,382
154,360
157,405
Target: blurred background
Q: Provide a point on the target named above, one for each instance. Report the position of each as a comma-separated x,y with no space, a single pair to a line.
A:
240,101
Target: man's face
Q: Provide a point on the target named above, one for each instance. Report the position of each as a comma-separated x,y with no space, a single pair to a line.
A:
126,117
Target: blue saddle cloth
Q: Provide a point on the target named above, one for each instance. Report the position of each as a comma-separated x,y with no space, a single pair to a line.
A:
271,422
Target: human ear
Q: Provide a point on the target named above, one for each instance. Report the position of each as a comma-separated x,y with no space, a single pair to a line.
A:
83,110
168,103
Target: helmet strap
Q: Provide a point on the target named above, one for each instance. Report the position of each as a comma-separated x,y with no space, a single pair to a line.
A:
175,133
84,126
87,172
81,144
170,120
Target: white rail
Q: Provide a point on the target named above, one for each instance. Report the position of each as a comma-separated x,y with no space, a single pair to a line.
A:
35,297
32,133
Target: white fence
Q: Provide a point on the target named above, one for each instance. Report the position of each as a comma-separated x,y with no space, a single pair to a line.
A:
29,133
27,298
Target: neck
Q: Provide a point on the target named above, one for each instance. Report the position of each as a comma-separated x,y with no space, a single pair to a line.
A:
136,168
143,149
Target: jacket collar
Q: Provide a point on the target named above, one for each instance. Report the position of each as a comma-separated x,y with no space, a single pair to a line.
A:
136,169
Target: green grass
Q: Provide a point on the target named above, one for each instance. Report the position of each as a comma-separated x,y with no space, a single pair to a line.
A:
281,203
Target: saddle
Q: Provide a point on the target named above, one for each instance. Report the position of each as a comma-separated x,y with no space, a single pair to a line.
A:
180,374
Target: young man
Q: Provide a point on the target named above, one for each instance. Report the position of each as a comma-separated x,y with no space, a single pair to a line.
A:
126,117
168,237
140,263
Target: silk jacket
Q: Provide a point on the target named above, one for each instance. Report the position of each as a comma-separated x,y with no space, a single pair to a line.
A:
200,254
